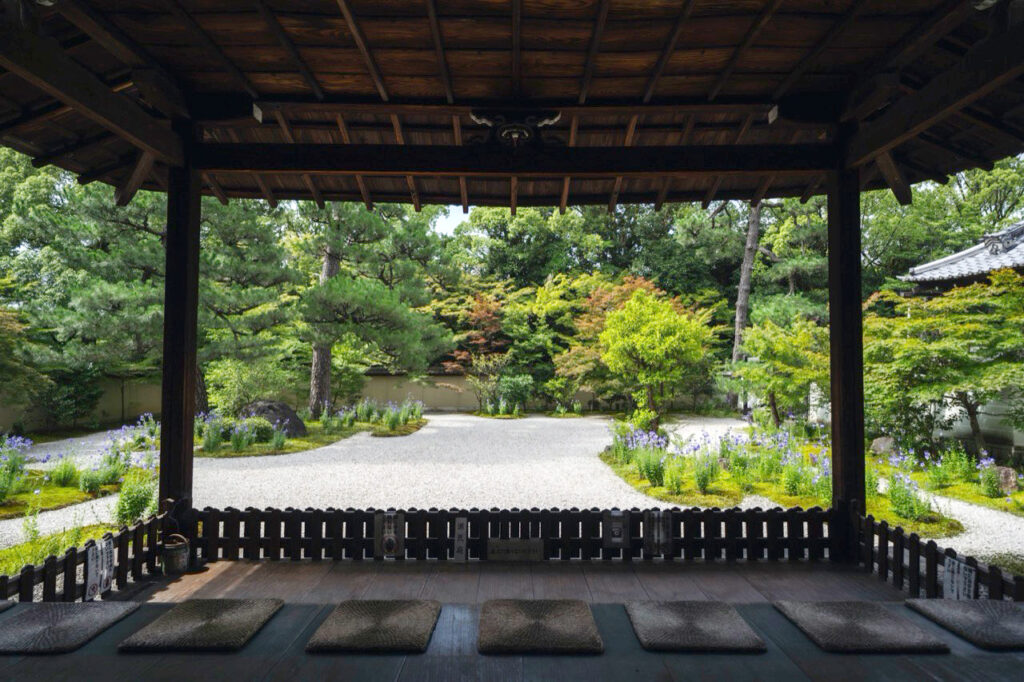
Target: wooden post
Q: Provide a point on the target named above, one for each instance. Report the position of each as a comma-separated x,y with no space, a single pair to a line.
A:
847,356
181,302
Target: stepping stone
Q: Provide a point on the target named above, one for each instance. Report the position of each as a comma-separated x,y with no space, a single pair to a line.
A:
859,628
57,627
523,626
986,623
698,626
204,625
377,626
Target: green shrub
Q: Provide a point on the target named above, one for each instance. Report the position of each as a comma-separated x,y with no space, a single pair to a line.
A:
675,475
871,482
959,465
705,472
794,478
65,472
651,465
393,419
12,467
138,496
241,437
577,407
90,481
233,383
262,430
988,480
516,388
213,436
643,419
906,499
278,440
366,410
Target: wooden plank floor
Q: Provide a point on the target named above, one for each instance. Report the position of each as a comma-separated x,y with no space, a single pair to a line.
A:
312,589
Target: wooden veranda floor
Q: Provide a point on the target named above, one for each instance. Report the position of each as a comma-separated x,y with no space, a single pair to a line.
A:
310,590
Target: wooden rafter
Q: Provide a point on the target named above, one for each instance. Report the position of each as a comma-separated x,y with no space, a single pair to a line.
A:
414,193
716,183
545,162
974,116
126,191
922,37
360,40
215,188
364,192
667,50
513,187
759,23
270,19
811,57
81,145
463,191
630,138
307,179
442,62
211,48
812,188
265,190
894,178
517,52
563,199
42,63
994,61
945,145
768,180
666,183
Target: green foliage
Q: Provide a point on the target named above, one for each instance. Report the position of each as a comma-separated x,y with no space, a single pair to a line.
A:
69,395
516,389
988,480
279,439
906,498
650,464
233,384
705,472
137,498
657,347
91,480
65,472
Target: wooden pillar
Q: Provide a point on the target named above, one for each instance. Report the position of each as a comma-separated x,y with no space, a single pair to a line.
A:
847,357
181,304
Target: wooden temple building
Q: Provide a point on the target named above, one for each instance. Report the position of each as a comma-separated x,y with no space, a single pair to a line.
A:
521,103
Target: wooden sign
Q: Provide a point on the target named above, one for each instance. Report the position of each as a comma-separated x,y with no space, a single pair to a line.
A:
615,529
106,547
461,537
657,532
92,572
388,535
960,580
515,549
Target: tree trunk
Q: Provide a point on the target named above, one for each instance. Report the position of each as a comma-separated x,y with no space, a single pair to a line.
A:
773,404
320,372
971,408
743,293
202,397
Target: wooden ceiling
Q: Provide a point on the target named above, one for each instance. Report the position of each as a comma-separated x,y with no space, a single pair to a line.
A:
881,83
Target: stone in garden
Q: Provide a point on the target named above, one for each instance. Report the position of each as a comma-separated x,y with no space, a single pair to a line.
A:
1007,479
884,445
277,412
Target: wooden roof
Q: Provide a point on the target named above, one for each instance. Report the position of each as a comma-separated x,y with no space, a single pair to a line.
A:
629,75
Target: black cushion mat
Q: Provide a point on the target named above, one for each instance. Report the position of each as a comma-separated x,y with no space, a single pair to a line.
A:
204,625
859,627
377,626
58,627
700,626
986,623
553,626
6,604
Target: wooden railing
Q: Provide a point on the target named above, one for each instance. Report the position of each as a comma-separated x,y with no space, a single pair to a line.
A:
65,578
561,535
918,567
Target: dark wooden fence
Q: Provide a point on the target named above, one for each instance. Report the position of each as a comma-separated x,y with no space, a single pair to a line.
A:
918,567
563,535
64,578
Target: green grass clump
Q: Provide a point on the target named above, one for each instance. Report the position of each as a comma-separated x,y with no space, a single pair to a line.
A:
12,559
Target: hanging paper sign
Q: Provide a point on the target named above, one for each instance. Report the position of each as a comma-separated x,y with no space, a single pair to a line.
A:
515,549
461,538
615,529
106,548
92,572
657,532
388,535
960,580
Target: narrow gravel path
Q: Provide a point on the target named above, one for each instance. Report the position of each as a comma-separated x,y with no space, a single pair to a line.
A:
986,531
687,427
85,449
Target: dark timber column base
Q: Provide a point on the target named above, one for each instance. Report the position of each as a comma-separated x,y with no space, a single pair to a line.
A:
847,358
181,304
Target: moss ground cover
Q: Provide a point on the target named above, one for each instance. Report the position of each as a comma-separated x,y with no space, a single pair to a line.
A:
34,551
50,496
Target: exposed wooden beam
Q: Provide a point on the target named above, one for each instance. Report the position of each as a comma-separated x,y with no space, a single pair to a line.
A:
546,162
53,110
364,192
270,19
759,23
463,191
666,183
627,142
762,189
811,57
513,198
121,163
666,52
870,96
976,117
563,199
442,61
215,53
922,37
957,150
517,53
590,60
125,192
307,180
265,190
895,179
929,173
414,193
81,145
215,188
716,184
812,188
617,107
988,65
364,49
41,62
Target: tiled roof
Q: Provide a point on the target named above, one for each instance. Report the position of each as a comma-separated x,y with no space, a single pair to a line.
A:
1003,249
